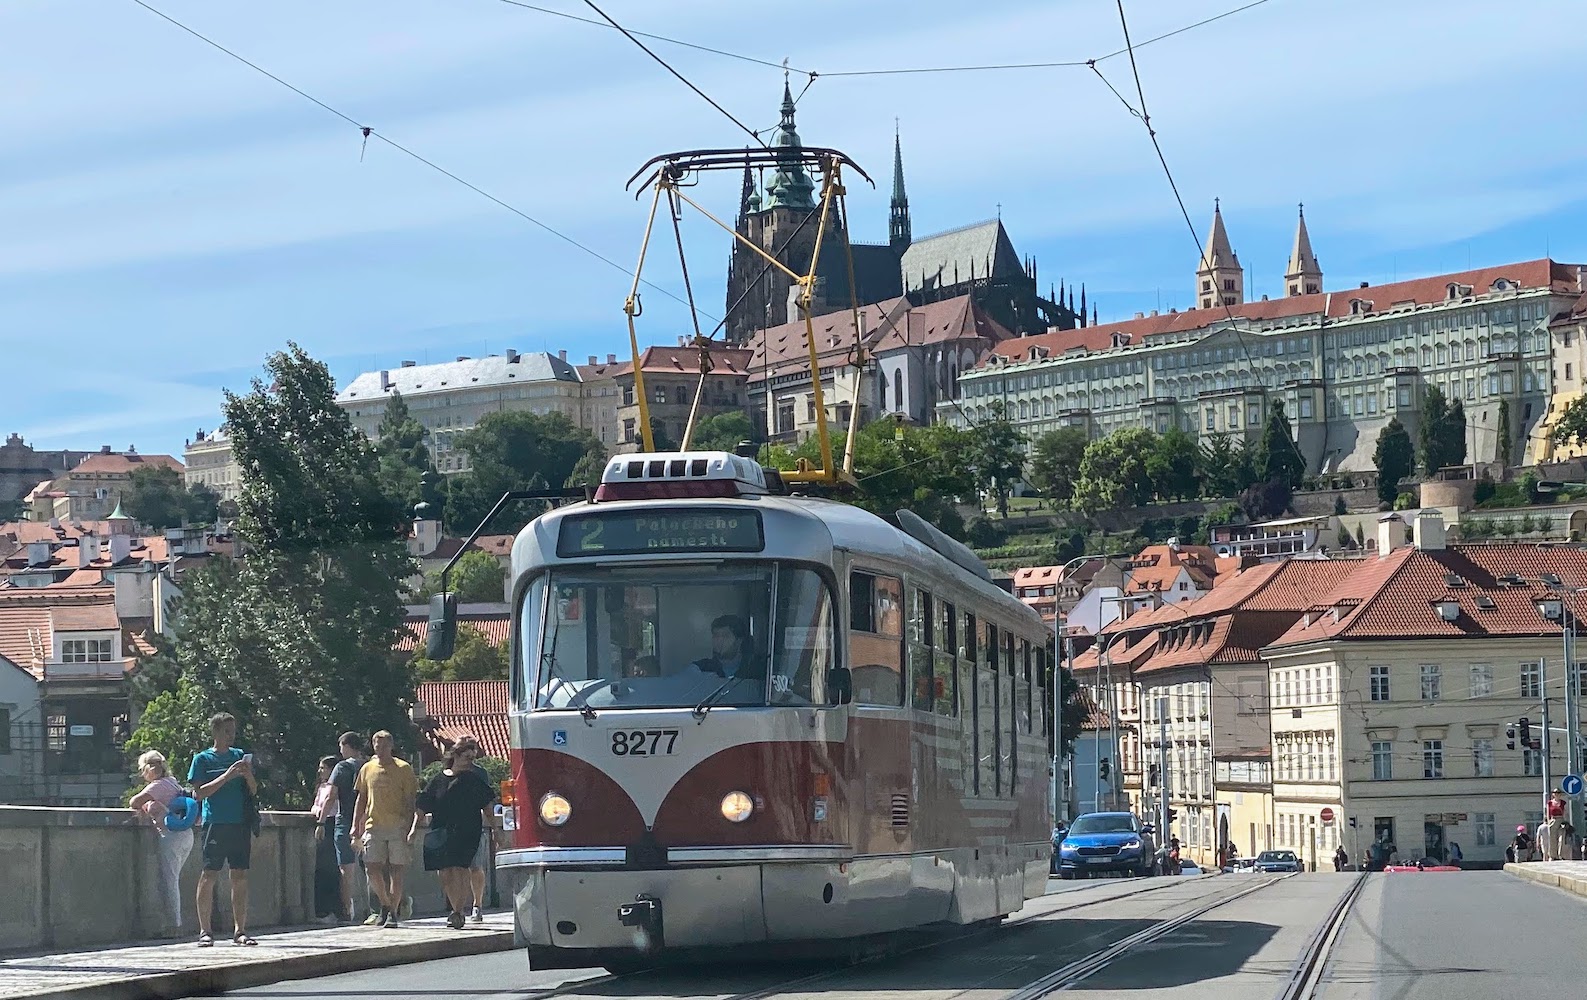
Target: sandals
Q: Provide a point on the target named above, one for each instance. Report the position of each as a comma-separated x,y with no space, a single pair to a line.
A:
206,940
242,940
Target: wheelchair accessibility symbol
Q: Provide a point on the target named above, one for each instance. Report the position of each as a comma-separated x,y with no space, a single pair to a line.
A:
559,738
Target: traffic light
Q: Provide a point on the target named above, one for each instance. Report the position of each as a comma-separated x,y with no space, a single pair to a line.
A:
1103,767
1526,731
1173,814
1509,737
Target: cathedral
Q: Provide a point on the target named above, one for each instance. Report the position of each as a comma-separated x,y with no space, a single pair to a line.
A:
977,260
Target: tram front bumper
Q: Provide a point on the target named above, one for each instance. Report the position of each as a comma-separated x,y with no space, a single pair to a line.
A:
619,909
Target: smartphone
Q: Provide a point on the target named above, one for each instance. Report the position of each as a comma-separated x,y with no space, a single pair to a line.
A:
247,758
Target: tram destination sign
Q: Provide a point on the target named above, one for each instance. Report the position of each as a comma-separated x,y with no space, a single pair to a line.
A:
626,533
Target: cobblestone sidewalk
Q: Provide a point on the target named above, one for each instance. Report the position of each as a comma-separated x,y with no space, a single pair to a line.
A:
180,968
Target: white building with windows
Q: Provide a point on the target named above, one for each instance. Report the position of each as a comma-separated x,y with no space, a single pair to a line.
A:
1392,695
208,461
451,397
1342,362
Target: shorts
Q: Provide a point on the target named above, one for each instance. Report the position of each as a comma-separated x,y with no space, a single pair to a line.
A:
482,853
343,838
387,847
227,845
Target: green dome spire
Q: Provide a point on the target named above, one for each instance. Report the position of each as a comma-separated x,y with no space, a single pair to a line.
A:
790,186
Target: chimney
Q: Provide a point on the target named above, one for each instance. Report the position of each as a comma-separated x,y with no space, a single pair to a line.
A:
410,364
104,449
120,548
1140,315
1391,533
1429,531
611,359
385,380
1365,284
87,549
562,355
512,356
592,360
462,357
38,553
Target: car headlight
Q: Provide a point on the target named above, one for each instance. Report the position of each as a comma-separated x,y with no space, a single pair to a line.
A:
1130,845
554,809
736,807
1067,848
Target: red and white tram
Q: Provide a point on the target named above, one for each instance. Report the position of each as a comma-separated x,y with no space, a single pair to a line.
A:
741,718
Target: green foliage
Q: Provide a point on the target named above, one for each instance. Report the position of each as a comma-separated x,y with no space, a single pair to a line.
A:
495,768
295,640
473,659
1544,524
722,432
1055,462
1529,488
1265,501
407,470
1225,514
514,450
983,534
1172,466
174,723
1476,527
1340,507
1483,491
1441,439
1405,501
1571,427
1278,458
1527,525
1069,547
587,470
1395,458
1113,471
1227,466
158,498
1506,435
997,456
478,578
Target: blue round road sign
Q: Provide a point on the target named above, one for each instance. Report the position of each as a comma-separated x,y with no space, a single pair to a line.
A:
1571,784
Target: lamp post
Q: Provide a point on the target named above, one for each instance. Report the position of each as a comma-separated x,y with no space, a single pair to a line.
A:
1060,658
1554,609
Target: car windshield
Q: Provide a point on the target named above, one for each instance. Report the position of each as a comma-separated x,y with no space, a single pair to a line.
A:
1104,824
1276,856
671,636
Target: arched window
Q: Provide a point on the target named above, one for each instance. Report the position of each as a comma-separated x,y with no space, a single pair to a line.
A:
898,388
884,391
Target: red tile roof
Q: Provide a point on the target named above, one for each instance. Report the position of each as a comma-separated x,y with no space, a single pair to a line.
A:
1095,719
725,361
29,619
496,627
118,464
478,708
1542,273
499,546
1394,597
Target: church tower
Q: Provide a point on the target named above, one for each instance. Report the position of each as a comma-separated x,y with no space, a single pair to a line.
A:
1304,275
1219,279
898,232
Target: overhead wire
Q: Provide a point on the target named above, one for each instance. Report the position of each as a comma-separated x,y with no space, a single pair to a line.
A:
369,132
646,34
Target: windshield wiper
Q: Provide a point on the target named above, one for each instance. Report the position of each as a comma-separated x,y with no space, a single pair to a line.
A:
577,701
709,700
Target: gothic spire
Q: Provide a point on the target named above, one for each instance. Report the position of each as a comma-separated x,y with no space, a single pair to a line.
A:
790,186
745,195
899,235
1304,275
1219,278
1218,252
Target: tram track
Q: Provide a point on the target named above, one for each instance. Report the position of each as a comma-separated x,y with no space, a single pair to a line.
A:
1305,977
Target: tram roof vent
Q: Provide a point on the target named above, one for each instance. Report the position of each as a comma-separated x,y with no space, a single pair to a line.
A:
680,475
954,551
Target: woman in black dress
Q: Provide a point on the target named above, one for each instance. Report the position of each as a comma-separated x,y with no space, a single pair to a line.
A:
456,800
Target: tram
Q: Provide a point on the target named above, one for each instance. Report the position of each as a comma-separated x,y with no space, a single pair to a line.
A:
746,718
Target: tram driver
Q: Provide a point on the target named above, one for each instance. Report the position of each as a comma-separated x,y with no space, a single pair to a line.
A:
731,655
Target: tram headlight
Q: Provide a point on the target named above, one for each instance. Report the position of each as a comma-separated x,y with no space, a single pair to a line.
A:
554,809
737,806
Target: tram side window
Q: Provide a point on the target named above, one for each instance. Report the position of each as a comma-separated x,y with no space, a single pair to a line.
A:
986,727
1025,688
947,632
969,736
805,641
922,637
876,638
1041,694
1008,724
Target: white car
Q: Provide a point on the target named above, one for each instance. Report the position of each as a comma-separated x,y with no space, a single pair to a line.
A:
1189,868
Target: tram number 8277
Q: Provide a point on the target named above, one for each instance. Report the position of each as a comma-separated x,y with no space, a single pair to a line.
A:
644,742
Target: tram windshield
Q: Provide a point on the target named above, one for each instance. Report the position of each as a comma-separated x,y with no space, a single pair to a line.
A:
671,636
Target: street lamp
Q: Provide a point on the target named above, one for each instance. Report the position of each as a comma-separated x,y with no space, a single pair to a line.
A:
1057,687
1554,609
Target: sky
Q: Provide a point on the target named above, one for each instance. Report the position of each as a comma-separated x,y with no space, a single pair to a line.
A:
169,216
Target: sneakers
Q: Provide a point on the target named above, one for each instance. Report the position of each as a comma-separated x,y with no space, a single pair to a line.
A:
329,920
391,919
405,908
377,918
454,920
476,916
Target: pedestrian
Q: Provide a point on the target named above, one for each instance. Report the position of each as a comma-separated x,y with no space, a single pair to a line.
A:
1455,855
458,802
154,801
1521,846
1551,838
223,780
385,824
479,867
327,874
344,776
1341,859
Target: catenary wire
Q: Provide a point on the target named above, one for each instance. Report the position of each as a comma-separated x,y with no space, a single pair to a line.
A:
394,144
681,78
660,38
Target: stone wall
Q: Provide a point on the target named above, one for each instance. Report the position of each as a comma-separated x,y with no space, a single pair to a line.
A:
72,878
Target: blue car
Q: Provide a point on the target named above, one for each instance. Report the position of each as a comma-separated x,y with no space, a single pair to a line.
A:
1105,842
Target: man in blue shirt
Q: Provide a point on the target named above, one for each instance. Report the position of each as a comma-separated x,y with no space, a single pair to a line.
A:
222,779
730,656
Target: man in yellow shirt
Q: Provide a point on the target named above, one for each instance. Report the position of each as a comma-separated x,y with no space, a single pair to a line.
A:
385,823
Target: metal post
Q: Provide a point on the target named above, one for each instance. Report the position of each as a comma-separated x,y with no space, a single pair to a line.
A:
1542,681
1162,770
1573,762
1059,792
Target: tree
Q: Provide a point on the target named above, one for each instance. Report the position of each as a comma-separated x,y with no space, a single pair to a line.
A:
1226,514
1226,467
1395,458
1571,427
997,456
1506,440
587,471
508,450
1113,471
1278,457
158,498
1265,501
1441,439
1340,507
474,658
722,432
1172,465
1055,462
478,578
405,460
296,639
